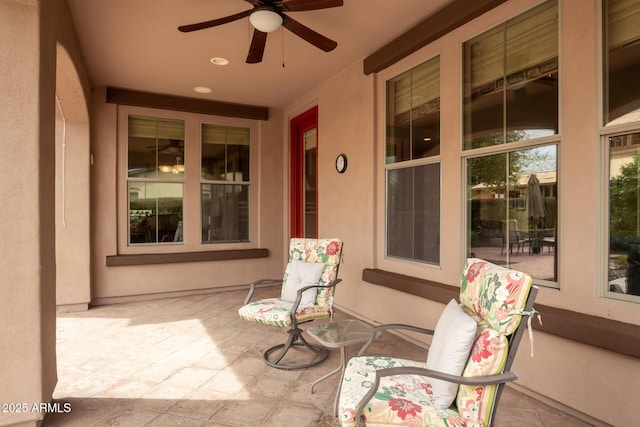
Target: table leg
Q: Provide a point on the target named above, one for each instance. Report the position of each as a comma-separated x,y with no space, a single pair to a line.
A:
341,369
343,365
335,371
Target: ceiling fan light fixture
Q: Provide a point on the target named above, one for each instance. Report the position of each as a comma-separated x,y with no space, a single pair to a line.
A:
265,20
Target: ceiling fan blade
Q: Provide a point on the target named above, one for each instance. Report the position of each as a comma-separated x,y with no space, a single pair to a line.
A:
213,22
302,5
306,33
256,50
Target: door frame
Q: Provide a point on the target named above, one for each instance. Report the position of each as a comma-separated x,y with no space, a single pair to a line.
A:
298,126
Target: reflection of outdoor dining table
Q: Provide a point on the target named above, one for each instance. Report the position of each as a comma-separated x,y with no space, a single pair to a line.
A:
539,236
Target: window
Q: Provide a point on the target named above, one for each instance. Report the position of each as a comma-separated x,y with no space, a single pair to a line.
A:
621,61
621,138
170,206
512,210
155,180
510,80
225,184
412,164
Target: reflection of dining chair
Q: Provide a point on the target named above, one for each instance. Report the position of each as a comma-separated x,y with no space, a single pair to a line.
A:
550,241
511,236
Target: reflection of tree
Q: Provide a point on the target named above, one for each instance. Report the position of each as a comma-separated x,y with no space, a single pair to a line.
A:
623,195
498,169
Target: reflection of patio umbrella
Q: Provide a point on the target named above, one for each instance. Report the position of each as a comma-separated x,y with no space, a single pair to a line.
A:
537,211
535,201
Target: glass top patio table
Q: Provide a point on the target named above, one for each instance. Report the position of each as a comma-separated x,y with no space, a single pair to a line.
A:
339,334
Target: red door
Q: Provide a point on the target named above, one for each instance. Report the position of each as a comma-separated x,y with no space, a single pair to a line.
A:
304,174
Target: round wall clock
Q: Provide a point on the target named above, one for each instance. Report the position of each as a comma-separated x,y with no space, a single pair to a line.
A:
341,163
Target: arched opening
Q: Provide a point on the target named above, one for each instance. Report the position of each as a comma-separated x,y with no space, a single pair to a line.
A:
72,161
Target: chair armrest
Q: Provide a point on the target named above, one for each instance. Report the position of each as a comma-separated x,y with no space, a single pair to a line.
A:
379,328
262,283
414,370
296,303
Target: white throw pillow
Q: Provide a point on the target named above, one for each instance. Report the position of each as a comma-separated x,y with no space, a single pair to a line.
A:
302,274
453,338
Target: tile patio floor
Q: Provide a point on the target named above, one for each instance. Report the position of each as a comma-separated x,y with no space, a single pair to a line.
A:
190,361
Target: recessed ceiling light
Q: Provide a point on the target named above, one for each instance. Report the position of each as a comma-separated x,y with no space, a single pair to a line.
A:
202,89
219,61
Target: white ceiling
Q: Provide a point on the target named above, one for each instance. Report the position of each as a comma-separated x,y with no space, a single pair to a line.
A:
135,44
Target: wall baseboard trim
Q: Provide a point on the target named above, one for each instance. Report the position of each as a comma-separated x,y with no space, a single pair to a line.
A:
72,308
162,295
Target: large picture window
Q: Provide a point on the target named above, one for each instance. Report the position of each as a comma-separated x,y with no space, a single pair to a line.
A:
621,137
511,80
412,160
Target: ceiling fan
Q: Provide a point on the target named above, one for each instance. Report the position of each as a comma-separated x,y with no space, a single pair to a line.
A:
175,146
269,15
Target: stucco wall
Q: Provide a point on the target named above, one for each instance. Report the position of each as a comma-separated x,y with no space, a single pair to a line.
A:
27,252
592,381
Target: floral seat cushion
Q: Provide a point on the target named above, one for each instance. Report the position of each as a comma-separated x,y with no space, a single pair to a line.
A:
402,400
276,312
494,296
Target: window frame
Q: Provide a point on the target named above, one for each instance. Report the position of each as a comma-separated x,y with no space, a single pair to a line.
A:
220,182
411,163
192,205
607,130
605,134
507,147
463,84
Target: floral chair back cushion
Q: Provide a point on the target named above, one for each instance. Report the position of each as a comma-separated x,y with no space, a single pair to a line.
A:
495,296
327,251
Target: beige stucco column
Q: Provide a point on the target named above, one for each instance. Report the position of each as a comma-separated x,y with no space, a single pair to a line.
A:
27,228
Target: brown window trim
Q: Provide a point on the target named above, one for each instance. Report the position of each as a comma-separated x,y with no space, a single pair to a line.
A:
189,105
224,255
596,331
441,22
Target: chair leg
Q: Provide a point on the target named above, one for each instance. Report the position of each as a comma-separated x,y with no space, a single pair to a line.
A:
295,339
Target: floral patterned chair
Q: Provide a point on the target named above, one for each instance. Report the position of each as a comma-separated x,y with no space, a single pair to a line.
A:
469,360
307,292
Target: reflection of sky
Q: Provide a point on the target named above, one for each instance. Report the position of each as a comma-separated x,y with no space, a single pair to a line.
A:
542,159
